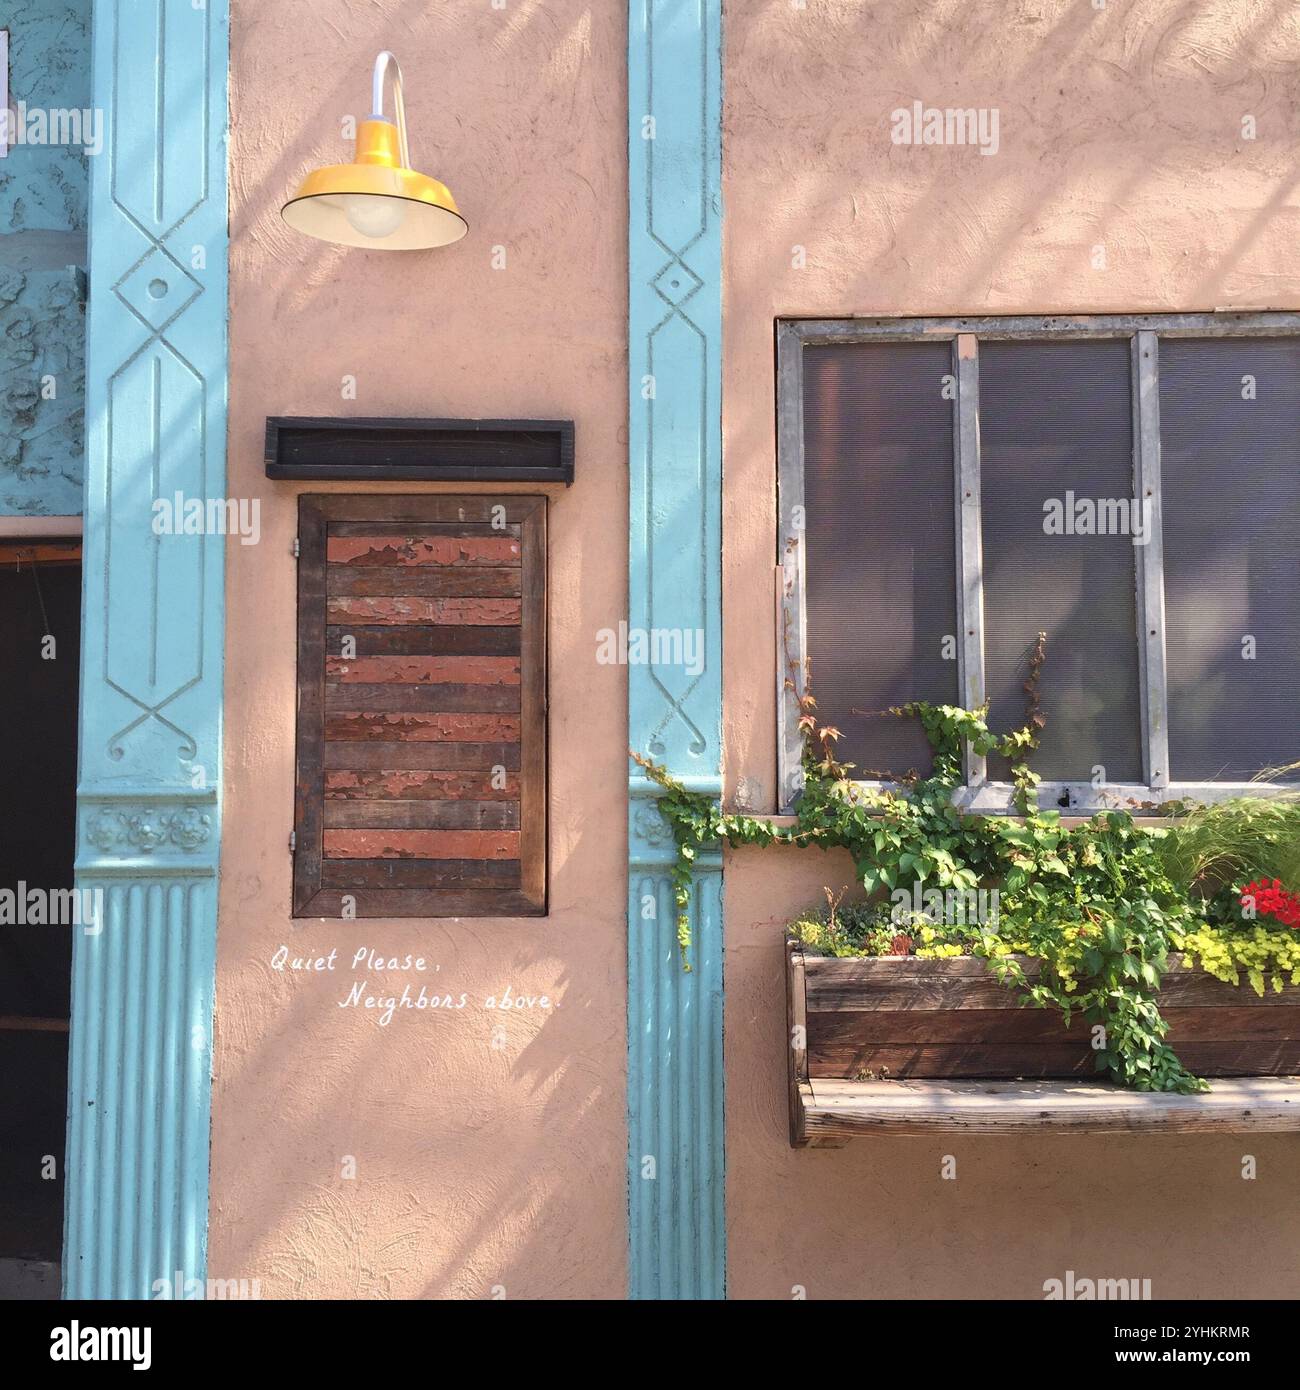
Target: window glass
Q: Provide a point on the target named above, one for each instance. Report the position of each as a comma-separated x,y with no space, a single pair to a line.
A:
881,576
1230,463
1056,482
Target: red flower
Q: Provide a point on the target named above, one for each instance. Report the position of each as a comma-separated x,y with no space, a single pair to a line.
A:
1267,898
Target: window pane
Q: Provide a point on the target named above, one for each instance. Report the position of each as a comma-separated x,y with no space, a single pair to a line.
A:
1230,462
1056,441
881,594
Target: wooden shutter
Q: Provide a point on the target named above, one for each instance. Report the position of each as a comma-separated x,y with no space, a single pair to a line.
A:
421,780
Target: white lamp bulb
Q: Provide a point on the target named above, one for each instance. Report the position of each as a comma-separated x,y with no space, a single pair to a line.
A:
374,216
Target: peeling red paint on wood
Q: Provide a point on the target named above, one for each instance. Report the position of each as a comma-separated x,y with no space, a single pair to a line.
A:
421,844
404,784
428,580
402,549
451,728
421,757
457,670
473,612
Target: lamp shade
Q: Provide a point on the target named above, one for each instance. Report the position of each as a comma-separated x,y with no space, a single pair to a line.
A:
377,201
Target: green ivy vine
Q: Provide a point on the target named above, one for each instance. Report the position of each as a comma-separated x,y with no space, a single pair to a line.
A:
1095,906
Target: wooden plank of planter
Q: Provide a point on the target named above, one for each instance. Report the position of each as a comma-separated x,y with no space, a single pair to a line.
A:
1196,989
848,1062
830,1030
1257,1057
965,982
847,994
1242,1024
841,1110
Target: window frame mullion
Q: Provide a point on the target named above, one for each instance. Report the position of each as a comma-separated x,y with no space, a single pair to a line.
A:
1149,561
969,539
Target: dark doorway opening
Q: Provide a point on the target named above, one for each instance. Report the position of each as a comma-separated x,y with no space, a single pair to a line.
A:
40,632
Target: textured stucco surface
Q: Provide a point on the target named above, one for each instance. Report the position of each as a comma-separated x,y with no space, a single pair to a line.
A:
1120,127
477,1166
42,235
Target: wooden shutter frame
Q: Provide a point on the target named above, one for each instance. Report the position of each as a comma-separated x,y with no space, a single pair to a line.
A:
310,898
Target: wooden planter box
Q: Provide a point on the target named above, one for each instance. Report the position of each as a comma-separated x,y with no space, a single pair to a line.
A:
876,1041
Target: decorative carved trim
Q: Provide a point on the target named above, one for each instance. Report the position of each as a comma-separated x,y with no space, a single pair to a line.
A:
675,1119
146,828
140,1048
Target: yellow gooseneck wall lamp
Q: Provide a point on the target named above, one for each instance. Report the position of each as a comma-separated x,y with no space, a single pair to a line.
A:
377,201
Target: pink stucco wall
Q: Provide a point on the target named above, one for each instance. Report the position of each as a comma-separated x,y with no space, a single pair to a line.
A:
478,1167
1120,127
481,1167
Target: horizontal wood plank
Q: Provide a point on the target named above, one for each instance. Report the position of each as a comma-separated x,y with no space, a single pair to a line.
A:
1241,1024
413,757
424,670
438,698
403,548
850,1061
480,612
846,1109
906,982
420,873
416,814
342,580
412,639
421,844
390,783
421,728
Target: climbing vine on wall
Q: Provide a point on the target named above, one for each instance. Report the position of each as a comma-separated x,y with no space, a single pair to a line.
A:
1099,906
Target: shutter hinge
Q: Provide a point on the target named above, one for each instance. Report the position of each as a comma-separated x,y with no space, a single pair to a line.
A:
297,548
293,842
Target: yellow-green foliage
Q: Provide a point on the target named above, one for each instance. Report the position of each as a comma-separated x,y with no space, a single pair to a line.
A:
1266,955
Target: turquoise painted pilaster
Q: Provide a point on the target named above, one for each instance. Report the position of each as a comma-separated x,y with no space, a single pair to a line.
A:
150,759
675,1158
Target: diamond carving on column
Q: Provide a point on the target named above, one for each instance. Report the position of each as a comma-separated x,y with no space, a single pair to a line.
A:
676,282
157,290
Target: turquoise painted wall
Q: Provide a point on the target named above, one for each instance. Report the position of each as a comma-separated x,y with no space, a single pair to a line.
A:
43,189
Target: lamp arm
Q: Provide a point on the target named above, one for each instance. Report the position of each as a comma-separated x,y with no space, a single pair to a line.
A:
383,63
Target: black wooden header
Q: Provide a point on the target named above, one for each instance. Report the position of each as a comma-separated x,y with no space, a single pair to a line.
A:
473,451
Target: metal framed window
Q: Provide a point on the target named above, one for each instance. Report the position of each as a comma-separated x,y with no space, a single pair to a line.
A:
963,338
